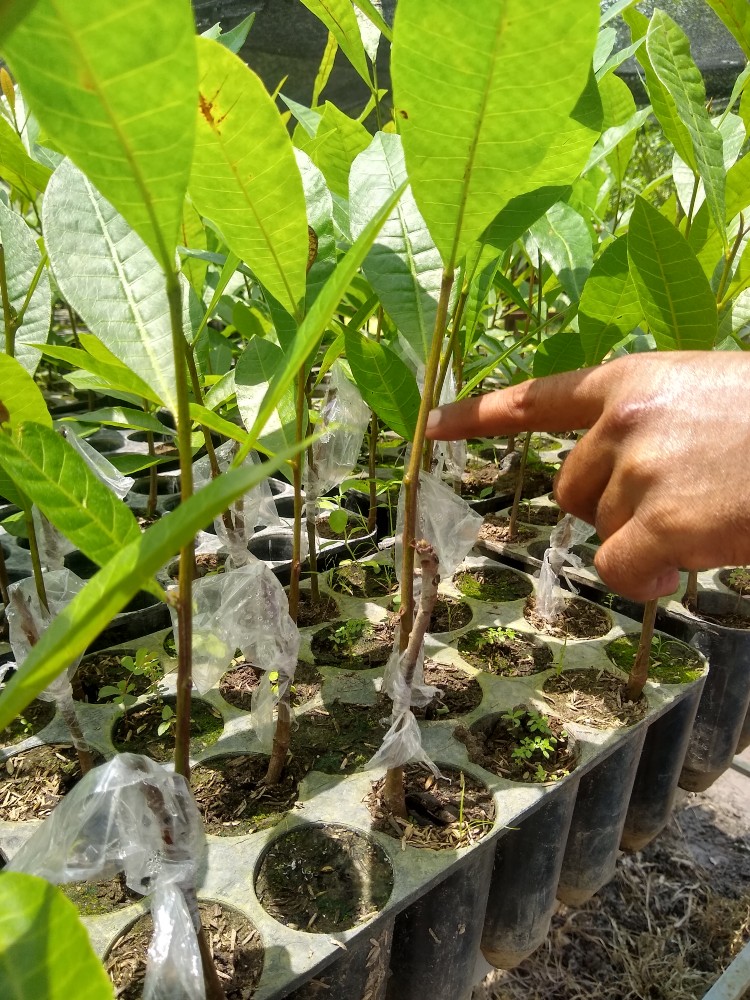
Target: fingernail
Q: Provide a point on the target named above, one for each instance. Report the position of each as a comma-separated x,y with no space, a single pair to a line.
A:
433,420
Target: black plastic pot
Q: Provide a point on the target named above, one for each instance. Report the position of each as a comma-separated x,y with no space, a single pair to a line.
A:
744,741
361,972
142,615
598,821
655,786
723,706
167,493
435,940
526,871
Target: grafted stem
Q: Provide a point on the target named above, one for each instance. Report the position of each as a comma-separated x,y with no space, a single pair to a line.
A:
639,673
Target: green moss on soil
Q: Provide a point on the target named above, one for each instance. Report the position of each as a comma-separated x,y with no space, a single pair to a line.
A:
489,584
671,662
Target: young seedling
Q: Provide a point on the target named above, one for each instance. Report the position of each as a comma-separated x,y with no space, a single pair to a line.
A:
144,664
639,674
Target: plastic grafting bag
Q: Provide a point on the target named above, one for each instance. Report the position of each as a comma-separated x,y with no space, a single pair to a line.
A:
27,620
130,815
254,508
343,420
109,475
450,456
444,519
569,532
53,546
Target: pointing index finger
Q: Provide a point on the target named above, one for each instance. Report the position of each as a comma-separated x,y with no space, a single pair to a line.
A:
565,402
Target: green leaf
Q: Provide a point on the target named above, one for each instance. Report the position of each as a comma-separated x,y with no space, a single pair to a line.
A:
337,142
233,39
117,377
338,520
245,178
520,214
107,593
736,16
318,318
489,87
674,293
45,951
320,218
22,259
17,167
669,50
121,416
562,352
618,103
12,12
609,307
612,138
67,492
110,278
386,384
257,366
207,418
339,17
20,397
404,266
193,237
564,242
115,90
372,13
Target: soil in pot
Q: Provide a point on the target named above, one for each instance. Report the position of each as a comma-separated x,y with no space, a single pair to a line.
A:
136,731
444,813
497,529
233,797
357,643
106,669
362,579
671,661
310,612
592,698
578,620
238,685
36,716
521,745
448,615
340,738
504,652
94,898
459,693
235,944
479,483
531,514
206,563
33,782
737,579
351,531
491,584
323,879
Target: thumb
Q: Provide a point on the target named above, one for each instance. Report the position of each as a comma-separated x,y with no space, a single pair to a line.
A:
631,562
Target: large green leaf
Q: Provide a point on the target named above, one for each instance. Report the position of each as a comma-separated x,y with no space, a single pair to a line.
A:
257,366
193,237
736,16
45,951
334,147
520,214
107,593
564,241
114,84
22,260
669,50
20,400
674,293
404,265
316,321
111,278
339,17
562,352
480,105
609,307
121,416
386,384
67,492
17,167
12,12
320,218
117,377
245,178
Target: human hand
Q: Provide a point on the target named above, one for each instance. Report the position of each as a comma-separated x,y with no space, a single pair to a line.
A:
664,472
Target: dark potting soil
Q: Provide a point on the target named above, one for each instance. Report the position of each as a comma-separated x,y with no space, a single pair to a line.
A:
364,579
496,529
136,730
540,756
353,530
323,879
532,514
235,944
578,620
444,813
310,612
592,698
33,782
357,643
479,483
93,898
449,614
233,797
238,684
671,661
490,584
105,668
459,693
504,652
727,619
340,738
35,717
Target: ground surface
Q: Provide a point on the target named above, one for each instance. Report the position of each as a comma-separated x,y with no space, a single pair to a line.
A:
666,926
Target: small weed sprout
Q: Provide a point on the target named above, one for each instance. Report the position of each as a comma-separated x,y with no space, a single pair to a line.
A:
495,635
350,632
145,663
